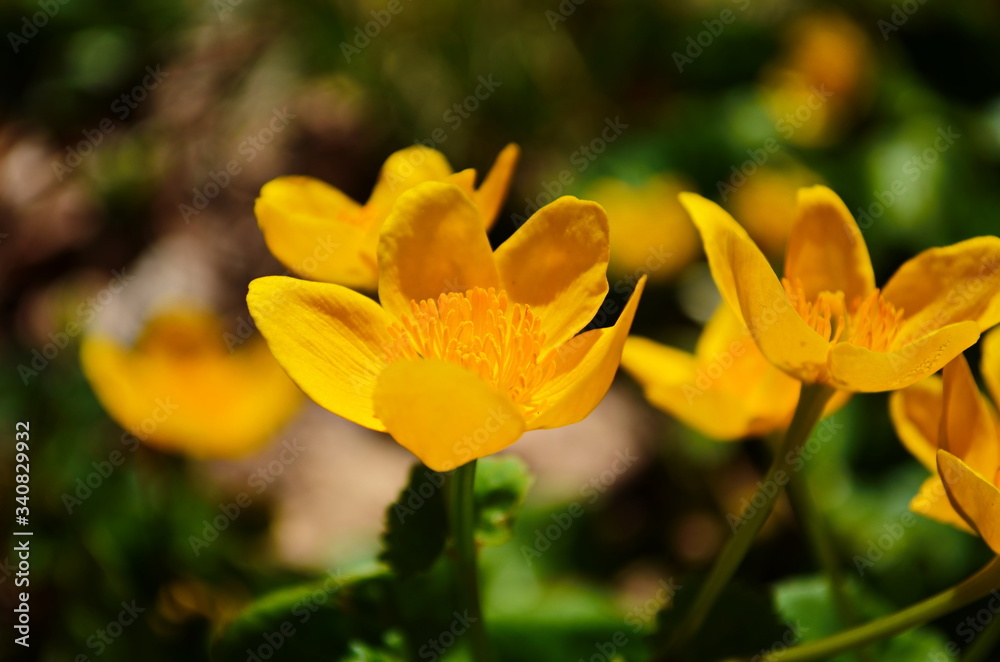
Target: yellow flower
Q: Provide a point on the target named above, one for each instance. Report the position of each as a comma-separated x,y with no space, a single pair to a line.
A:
726,390
949,426
469,348
820,79
652,234
826,322
180,389
765,204
320,233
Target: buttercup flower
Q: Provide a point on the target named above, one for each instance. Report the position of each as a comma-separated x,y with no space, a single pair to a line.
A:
826,322
469,348
180,389
320,233
820,79
726,390
652,234
949,426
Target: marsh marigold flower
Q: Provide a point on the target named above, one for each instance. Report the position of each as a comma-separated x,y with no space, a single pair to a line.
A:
181,389
726,389
947,424
652,233
468,348
820,80
826,322
320,233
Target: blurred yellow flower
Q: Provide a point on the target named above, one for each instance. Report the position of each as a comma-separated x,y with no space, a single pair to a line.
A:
180,389
726,390
320,233
651,233
949,426
826,322
765,204
469,348
818,82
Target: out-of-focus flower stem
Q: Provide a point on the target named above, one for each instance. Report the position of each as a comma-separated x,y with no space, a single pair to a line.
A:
812,401
821,540
975,587
463,531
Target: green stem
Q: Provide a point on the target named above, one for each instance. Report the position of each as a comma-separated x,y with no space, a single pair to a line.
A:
463,530
972,589
821,540
812,401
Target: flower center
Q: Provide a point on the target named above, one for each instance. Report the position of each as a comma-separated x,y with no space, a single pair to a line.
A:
483,332
872,322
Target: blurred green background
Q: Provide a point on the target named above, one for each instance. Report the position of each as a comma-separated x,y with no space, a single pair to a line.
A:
113,116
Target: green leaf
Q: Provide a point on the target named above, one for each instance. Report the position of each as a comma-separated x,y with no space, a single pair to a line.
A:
329,619
807,603
416,524
501,486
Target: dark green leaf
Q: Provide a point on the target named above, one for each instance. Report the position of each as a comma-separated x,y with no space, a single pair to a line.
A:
416,524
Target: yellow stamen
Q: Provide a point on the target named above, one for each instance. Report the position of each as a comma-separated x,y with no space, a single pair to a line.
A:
481,331
872,322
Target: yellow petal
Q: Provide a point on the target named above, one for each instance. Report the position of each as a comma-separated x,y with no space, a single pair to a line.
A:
329,339
444,414
941,286
916,415
670,381
826,251
402,171
932,502
492,192
861,370
975,498
182,393
989,365
968,425
316,231
556,263
748,284
433,242
585,368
